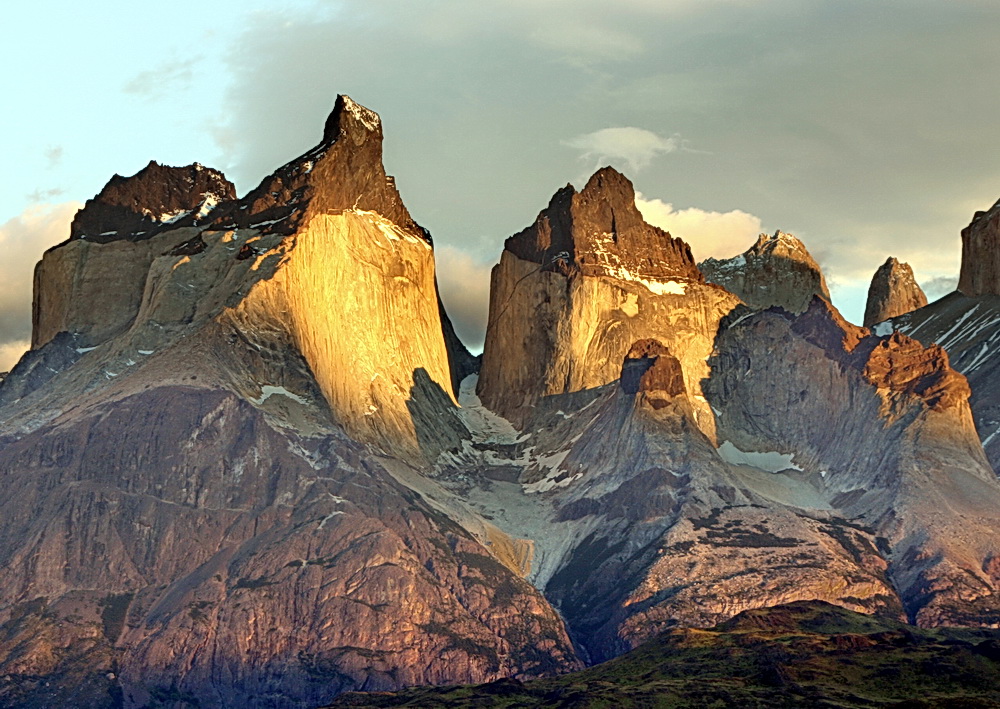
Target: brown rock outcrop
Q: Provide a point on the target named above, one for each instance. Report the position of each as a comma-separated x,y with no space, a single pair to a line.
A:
649,369
968,329
893,292
980,274
92,284
888,423
776,271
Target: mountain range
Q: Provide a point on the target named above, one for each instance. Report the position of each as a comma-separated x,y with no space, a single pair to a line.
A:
249,462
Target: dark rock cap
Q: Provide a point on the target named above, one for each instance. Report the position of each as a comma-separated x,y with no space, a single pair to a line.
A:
343,172
980,273
599,231
156,197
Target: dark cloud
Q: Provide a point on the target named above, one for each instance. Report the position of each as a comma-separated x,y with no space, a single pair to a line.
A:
857,126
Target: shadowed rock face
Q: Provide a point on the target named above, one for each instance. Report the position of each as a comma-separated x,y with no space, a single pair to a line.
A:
775,271
893,292
201,551
649,368
888,423
980,273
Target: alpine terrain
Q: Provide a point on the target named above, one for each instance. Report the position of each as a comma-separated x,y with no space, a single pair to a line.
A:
248,462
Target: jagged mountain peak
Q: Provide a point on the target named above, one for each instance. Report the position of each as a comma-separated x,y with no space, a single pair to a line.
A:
600,231
777,270
780,243
343,172
156,197
590,277
893,292
350,118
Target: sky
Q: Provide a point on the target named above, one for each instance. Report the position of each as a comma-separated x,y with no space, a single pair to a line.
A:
867,128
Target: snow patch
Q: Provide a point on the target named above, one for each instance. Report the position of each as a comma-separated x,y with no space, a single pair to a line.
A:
367,117
209,202
388,228
771,461
267,391
883,329
484,425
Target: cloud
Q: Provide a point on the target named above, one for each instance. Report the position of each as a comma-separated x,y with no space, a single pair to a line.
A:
635,146
41,195
23,239
464,284
10,353
939,286
710,234
54,156
157,83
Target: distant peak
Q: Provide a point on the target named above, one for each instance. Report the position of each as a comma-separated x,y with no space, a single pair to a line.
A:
893,292
777,270
348,116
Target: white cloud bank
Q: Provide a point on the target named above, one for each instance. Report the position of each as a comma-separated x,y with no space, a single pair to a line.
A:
710,234
23,239
636,147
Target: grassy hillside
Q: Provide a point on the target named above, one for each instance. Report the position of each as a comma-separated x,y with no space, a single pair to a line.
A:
808,654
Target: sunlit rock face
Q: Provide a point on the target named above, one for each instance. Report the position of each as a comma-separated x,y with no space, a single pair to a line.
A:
893,292
573,291
776,271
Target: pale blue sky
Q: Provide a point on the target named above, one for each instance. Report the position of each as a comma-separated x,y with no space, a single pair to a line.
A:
867,128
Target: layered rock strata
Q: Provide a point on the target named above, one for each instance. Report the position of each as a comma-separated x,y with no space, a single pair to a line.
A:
776,271
893,292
